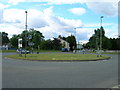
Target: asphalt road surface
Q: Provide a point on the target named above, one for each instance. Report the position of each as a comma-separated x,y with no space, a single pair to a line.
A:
36,74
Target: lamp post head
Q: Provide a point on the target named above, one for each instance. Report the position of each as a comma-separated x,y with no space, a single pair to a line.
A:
102,17
25,11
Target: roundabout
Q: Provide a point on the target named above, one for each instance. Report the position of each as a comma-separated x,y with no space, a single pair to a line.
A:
59,57
29,74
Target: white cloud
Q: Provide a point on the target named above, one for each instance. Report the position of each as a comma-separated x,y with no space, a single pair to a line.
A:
36,19
46,22
72,23
13,16
112,31
1,15
15,2
78,11
84,33
96,25
57,2
10,29
106,8
2,6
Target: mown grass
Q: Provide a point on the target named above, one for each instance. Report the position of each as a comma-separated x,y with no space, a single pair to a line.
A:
108,52
47,50
5,51
58,57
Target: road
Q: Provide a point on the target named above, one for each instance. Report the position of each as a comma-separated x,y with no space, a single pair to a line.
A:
36,74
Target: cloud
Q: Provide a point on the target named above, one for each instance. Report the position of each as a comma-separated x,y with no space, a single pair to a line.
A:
45,21
36,19
84,33
106,8
10,29
78,11
58,2
112,32
1,15
2,6
15,2
18,16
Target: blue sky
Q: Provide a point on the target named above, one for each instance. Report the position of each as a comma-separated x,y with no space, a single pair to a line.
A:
59,17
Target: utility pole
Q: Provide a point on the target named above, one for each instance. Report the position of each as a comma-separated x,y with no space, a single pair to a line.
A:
26,34
76,40
101,34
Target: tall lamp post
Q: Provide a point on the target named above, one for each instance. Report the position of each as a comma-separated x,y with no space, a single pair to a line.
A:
26,34
75,39
101,34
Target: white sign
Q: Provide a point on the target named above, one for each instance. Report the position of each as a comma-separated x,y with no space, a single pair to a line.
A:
20,42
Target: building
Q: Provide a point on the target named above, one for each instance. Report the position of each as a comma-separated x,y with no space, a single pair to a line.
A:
64,43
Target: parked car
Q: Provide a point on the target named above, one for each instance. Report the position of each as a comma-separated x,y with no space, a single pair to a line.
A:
64,50
23,52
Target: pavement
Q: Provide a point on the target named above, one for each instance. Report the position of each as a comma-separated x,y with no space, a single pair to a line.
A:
36,74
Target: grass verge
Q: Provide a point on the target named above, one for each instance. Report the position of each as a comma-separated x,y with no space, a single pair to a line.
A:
59,57
8,51
108,52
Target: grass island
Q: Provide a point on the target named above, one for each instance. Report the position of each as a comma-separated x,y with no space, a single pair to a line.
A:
59,57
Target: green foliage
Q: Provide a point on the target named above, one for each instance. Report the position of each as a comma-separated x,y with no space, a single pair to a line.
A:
33,36
115,42
56,44
72,41
107,44
46,45
50,44
5,39
94,41
37,38
14,41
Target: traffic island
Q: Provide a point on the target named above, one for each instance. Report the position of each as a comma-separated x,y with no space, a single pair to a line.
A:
59,57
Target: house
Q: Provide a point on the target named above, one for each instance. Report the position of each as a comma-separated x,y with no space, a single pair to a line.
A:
64,43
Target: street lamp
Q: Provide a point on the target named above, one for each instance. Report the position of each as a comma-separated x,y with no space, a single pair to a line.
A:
101,33
76,37
76,40
26,34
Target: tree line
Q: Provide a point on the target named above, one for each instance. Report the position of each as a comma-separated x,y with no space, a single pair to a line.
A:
35,39
107,43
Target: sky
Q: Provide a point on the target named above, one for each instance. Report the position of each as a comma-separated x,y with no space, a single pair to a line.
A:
60,17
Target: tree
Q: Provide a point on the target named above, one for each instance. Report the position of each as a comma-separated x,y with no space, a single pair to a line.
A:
32,36
14,41
24,36
51,44
72,41
5,39
106,43
37,38
94,41
46,45
56,44
115,43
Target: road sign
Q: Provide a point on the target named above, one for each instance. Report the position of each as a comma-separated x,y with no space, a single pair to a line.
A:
20,42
